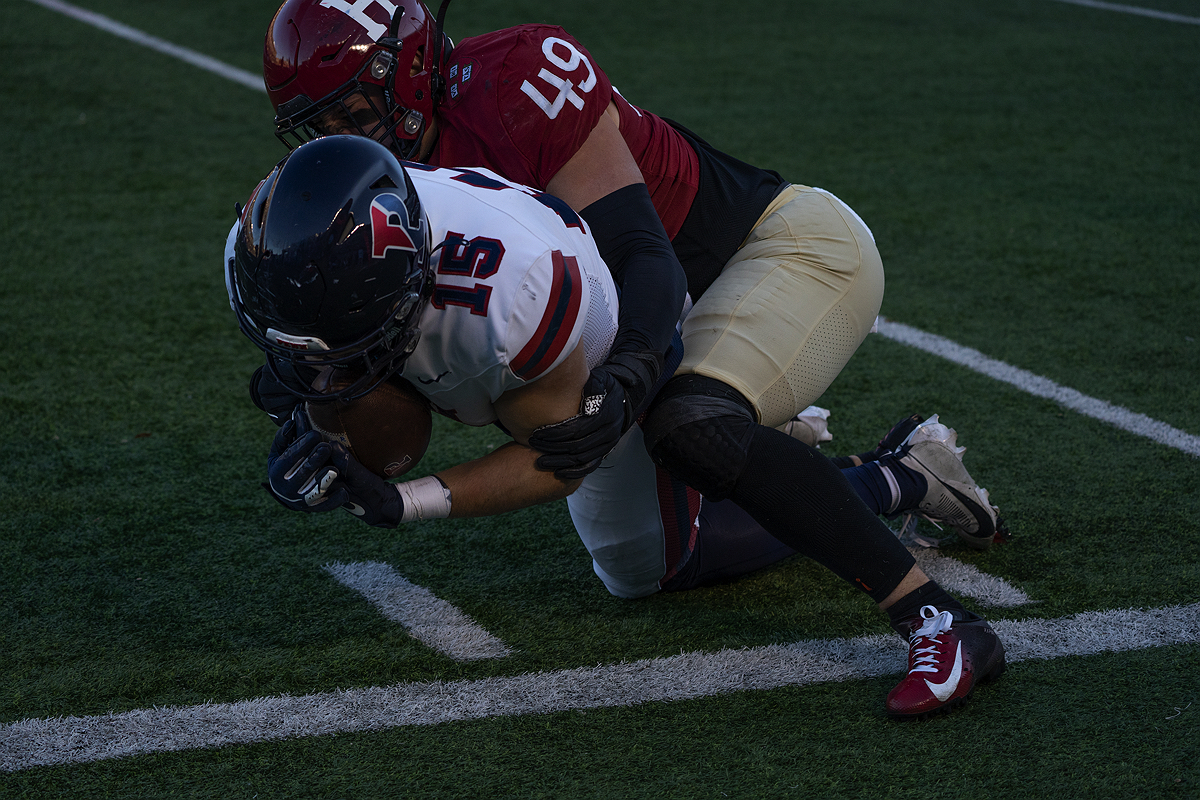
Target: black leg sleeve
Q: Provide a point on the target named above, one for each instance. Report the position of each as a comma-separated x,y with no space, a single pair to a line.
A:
797,495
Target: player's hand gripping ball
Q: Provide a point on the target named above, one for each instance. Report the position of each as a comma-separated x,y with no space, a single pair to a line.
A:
386,430
300,474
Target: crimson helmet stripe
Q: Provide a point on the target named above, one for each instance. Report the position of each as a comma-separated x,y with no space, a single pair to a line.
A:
554,331
384,234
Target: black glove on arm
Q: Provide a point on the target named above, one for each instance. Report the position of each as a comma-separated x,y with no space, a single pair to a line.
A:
614,394
274,397
635,247
637,374
309,474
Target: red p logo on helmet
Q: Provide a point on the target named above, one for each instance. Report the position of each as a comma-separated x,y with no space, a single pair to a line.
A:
389,226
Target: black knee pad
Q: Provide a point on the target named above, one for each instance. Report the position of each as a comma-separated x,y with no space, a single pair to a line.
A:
699,430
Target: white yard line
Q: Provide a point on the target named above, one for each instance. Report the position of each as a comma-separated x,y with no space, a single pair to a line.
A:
40,742
253,81
1136,10
32,743
247,79
431,621
965,579
1038,386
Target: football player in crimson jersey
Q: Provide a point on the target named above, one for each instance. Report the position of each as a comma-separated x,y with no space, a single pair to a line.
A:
786,279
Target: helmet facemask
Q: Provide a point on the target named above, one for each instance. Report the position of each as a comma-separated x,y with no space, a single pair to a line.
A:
372,359
359,107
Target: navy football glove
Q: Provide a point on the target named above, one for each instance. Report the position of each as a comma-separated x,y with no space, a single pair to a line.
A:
299,468
367,496
615,394
309,474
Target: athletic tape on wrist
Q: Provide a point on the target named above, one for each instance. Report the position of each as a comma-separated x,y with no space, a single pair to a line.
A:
424,498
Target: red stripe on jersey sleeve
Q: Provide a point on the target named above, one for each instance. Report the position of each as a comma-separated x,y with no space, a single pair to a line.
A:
558,320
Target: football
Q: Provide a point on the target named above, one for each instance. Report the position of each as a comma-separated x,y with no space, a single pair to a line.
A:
387,430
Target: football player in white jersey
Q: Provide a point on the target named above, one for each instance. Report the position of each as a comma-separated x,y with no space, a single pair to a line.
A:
520,307
333,263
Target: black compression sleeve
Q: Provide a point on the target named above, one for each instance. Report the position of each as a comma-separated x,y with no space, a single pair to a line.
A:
634,245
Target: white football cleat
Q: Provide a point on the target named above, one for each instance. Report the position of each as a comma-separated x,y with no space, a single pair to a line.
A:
953,497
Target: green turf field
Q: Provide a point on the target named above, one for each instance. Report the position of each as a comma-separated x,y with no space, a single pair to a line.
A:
1031,171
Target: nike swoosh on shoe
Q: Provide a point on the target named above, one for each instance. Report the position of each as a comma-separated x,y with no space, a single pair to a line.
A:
942,691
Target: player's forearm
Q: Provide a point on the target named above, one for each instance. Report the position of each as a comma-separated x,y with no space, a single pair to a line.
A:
636,249
504,480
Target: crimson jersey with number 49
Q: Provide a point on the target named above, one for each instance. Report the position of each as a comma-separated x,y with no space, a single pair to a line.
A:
523,100
518,285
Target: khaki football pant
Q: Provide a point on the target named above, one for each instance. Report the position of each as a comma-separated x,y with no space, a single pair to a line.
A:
791,306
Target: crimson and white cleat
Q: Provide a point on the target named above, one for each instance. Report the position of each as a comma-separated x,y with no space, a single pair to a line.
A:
810,426
947,658
953,497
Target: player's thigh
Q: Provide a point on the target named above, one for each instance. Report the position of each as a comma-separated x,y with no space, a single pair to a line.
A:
791,307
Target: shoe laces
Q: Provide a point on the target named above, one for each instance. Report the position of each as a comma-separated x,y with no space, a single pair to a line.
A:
923,643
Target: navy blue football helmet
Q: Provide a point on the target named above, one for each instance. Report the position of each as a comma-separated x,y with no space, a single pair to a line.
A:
331,263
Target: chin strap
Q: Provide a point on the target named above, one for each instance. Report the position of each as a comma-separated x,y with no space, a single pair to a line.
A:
437,82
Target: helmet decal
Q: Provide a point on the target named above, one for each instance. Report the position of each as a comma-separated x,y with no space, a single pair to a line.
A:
384,234
357,11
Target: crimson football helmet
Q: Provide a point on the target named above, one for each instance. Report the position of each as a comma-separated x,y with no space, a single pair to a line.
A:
372,67
330,265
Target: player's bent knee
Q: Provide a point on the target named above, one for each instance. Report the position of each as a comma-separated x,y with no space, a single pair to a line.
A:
699,430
